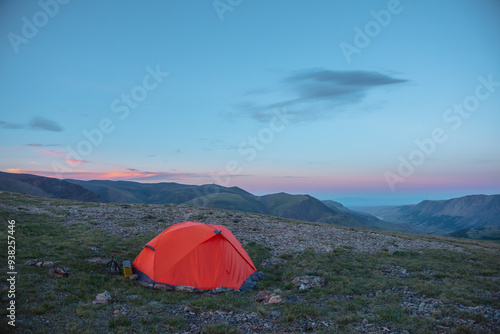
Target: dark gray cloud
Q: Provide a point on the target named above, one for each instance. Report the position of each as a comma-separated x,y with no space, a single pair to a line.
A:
36,123
345,78
42,123
7,125
314,93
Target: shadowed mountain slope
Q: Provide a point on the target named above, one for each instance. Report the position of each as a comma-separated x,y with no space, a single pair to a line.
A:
46,187
445,216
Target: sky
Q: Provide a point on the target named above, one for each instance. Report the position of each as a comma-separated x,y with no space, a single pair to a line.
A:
367,102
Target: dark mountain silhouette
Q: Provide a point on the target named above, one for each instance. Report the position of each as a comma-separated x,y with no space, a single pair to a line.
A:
46,187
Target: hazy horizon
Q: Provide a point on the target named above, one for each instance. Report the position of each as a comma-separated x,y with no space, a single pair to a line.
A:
391,102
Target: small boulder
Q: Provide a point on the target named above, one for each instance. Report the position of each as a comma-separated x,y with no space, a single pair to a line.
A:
103,298
276,299
53,274
262,295
272,299
62,271
58,272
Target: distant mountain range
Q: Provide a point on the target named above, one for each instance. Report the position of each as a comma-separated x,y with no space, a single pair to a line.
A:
466,214
299,207
46,187
475,216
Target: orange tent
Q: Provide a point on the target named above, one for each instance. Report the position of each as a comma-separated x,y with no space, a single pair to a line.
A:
199,255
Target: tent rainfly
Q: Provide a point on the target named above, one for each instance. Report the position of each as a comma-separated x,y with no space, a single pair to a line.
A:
198,255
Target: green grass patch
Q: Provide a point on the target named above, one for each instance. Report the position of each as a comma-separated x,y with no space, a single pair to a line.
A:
221,329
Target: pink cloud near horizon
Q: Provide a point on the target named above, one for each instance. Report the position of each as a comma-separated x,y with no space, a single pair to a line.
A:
81,174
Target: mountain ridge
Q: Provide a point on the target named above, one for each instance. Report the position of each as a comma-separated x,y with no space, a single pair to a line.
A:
46,187
464,216
298,207
444,217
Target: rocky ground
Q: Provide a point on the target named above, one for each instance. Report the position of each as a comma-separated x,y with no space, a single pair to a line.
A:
281,237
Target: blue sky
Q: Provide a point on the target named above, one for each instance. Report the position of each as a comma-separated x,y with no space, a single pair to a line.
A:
389,101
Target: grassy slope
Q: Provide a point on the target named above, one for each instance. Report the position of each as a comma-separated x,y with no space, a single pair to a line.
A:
65,305
229,201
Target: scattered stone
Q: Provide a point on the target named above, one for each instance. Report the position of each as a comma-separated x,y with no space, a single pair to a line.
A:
262,295
222,289
272,299
94,249
275,299
62,271
308,282
49,264
45,264
59,272
146,284
103,298
183,288
188,308
133,277
116,312
54,274
31,262
419,305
